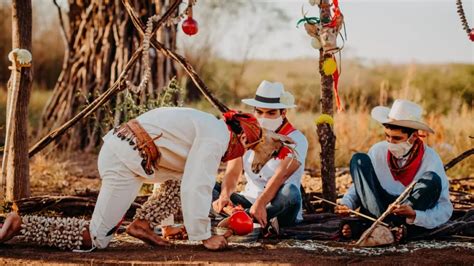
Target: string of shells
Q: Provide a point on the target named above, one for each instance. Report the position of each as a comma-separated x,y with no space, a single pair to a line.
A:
145,56
462,15
164,202
61,232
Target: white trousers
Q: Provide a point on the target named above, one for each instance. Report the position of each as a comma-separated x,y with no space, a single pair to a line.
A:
120,186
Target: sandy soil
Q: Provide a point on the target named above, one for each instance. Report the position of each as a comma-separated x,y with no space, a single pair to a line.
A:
125,250
128,252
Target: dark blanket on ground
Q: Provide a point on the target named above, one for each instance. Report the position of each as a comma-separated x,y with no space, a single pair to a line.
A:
327,226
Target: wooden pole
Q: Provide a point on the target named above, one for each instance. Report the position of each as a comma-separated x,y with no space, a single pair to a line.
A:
17,161
327,139
352,211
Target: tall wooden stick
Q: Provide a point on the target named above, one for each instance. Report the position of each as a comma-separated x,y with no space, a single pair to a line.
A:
352,211
386,213
327,138
15,166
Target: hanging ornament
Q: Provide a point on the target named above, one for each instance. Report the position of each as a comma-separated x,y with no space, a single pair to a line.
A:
335,78
465,25
324,119
329,66
316,43
190,26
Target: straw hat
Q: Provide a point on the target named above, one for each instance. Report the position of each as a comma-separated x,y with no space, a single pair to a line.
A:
403,113
271,95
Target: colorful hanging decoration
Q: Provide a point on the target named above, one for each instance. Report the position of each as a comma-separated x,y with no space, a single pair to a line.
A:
335,78
465,25
324,33
324,119
329,66
190,26
315,43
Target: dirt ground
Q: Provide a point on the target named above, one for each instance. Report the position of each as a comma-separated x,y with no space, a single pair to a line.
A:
131,253
80,173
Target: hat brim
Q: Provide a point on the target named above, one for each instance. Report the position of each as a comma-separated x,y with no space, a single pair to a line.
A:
255,103
380,114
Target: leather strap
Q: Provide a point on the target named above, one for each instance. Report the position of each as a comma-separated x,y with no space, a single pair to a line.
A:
141,140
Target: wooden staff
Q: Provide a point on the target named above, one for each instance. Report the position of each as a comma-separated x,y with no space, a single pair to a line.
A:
386,213
354,212
12,101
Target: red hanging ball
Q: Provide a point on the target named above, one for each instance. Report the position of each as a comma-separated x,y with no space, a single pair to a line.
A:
190,26
471,35
241,223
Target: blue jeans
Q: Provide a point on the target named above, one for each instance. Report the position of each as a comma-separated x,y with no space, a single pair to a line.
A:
285,205
374,200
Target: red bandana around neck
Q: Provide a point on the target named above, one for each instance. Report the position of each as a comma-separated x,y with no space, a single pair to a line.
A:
407,172
285,129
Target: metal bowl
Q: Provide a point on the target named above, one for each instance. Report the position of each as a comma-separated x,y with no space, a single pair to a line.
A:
252,237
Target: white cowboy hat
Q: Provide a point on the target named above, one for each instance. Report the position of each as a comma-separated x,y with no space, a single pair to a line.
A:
271,95
403,113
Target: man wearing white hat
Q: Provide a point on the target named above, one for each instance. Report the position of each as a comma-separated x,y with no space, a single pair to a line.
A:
274,191
390,166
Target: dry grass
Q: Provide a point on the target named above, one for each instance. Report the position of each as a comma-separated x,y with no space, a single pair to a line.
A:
357,132
49,172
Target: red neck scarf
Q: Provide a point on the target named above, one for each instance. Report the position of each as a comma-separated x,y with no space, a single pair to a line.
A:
407,172
285,129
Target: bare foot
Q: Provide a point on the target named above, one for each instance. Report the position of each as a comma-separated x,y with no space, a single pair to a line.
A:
399,233
141,230
11,227
346,231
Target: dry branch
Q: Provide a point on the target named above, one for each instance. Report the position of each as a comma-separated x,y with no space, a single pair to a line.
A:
178,58
118,85
458,159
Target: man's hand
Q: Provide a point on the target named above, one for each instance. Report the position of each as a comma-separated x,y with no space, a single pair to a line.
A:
220,203
259,213
342,210
405,211
215,242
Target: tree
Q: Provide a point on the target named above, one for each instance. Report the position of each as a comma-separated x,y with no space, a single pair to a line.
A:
100,40
15,164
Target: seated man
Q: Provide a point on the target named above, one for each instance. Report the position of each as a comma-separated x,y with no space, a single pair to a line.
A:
275,190
380,176
158,146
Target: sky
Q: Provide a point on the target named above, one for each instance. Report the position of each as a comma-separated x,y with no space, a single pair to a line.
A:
397,31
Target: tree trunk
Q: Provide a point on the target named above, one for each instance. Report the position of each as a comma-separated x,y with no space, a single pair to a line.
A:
327,139
101,42
17,162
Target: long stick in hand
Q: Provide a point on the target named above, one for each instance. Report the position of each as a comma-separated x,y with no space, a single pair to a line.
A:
352,211
386,213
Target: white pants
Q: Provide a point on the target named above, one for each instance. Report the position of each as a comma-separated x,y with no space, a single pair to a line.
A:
120,187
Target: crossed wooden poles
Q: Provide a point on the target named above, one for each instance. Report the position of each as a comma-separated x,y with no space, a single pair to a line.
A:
119,84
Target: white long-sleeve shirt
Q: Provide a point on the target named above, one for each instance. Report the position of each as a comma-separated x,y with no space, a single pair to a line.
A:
430,218
191,147
256,182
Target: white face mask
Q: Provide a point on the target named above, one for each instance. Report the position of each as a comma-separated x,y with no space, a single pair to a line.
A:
270,124
399,149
